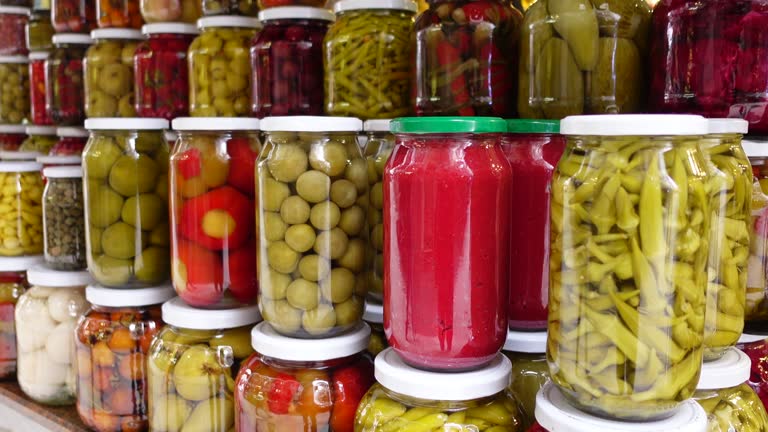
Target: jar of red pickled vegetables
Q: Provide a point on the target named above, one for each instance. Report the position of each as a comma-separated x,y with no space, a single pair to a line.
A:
298,384
71,142
64,92
756,347
118,14
13,21
161,74
287,62
38,112
533,148
264,4
11,136
466,58
166,11
13,283
73,16
756,311
448,187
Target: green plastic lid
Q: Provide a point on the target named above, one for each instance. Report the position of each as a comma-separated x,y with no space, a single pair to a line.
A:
437,125
526,126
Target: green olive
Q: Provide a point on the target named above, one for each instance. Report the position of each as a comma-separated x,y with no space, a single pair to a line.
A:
339,286
303,294
331,244
325,215
330,158
273,194
314,267
343,193
286,162
377,237
352,220
349,312
354,257
377,196
300,237
313,186
294,210
274,285
320,320
282,258
357,173
274,227
281,316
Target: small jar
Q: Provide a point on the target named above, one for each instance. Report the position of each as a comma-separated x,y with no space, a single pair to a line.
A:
756,348
264,4
212,206
14,90
368,57
108,70
13,283
39,31
374,316
73,16
533,148
21,205
192,365
297,384
408,397
13,21
167,11
287,62
118,14
756,311
64,92
40,139
112,342
435,158
11,137
125,168
37,87
63,218
72,141
219,78
230,7
311,203
162,76
46,316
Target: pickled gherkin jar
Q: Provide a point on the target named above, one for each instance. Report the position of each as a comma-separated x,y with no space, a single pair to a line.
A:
192,366
64,92
368,56
756,312
374,316
38,112
13,283
118,14
125,170
630,237
39,31
108,70
530,372
167,11
21,195
14,93
230,7
13,21
220,67
755,346
64,219
40,139
76,16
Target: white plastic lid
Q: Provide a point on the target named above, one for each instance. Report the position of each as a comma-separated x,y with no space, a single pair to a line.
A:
13,129
40,130
215,124
228,21
374,312
346,5
39,55
19,155
19,264
311,124
730,370
126,123
43,276
755,147
72,132
728,126
60,160
179,314
71,171
109,297
394,374
20,166
634,125
750,338
266,341
526,342
170,136
376,125
296,12
14,59
16,10
170,28
116,33
72,38
554,413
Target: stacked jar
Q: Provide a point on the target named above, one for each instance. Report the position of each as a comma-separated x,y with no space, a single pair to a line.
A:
108,72
13,283
13,21
68,148
14,90
64,87
40,139
530,372
73,16
39,30
755,346
11,137
756,311
37,89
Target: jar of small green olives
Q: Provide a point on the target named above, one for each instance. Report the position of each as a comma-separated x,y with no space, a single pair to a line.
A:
39,31
14,90
108,70
374,316
40,139
530,372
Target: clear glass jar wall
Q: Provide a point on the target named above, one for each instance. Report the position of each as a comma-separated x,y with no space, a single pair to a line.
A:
156,11
108,71
64,219
14,93
13,283
118,14
39,31
14,22
756,311
64,92
75,16
21,197
40,139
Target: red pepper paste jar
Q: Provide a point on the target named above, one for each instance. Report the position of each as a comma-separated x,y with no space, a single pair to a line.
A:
11,136
533,148
287,62
162,77
64,90
466,58
756,347
39,115
447,195
118,14
13,283
13,21
73,16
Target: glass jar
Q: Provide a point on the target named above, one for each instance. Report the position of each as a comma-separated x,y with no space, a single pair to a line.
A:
63,218
18,156
64,93
466,59
40,139
13,283
21,196
530,372
108,70
405,397
435,158
125,168
756,348
118,14
311,203
162,77
533,148
374,316
212,208
13,21
18,3
287,62
756,311
38,111
219,78
39,31
112,342
167,11
297,384
368,58
605,257
72,141
46,316
75,16
230,7
264,4
192,365
14,90
41,5
11,137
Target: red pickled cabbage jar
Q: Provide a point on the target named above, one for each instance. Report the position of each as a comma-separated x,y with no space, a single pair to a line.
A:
64,92
287,62
39,114
533,148
162,77
13,21
756,347
76,16
446,195
11,136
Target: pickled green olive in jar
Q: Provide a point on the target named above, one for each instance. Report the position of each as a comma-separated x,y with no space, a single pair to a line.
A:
14,89
108,70
39,31
312,196
21,209
220,67
630,216
374,316
125,171
530,372
40,139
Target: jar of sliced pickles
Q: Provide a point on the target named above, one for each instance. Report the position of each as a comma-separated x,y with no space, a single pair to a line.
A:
108,70
166,11
14,90
755,346
374,316
112,342
630,229
118,14
230,7
11,137
13,21
75,16
40,139
756,311
212,209
63,218
13,283
297,384
39,31
312,196
21,194
125,170
219,72
64,92
530,372
192,366
38,112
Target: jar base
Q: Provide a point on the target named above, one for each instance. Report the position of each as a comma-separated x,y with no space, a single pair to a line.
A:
445,364
628,411
528,326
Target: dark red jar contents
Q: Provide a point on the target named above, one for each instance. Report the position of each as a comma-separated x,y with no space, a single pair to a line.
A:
13,39
74,16
37,90
64,96
758,379
11,141
68,146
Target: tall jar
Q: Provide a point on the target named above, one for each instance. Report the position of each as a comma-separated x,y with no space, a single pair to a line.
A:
75,16
38,112
21,196
13,283
11,137
46,316
64,92
118,14
756,311
63,218
466,59
230,7
112,342
374,317
162,78
40,139
13,21
287,62
368,56
756,348
14,90
166,11
297,384
435,158
192,366
39,31
125,166
213,238
530,372
638,334
108,70
312,195
219,73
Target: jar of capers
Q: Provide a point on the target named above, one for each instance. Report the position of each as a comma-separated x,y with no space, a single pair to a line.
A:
14,90
63,218
108,70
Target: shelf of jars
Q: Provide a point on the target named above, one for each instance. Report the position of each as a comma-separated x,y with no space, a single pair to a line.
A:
19,413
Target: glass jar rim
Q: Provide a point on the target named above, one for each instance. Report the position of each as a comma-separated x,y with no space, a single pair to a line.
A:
296,13
374,312
115,297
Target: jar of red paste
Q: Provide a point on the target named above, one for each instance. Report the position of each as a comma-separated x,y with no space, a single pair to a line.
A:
756,347
447,187
39,115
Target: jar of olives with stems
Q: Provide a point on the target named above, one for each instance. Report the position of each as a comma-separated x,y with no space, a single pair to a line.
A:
14,89
63,218
39,31
312,197
108,70
13,283
64,91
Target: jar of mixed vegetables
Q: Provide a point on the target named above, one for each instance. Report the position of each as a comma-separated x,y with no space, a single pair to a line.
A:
230,7
108,70
13,21
530,372
14,90
75,16
39,31
755,346
40,139
756,311
11,136
64,92
13,283
21,195
118,14
63,218
374,316
38,112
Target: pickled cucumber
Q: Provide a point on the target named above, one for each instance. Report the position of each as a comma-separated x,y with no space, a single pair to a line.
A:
733,409
558,81
576,22
616,83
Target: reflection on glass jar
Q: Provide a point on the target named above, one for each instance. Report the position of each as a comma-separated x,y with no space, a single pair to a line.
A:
13,283
108,71
64,93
